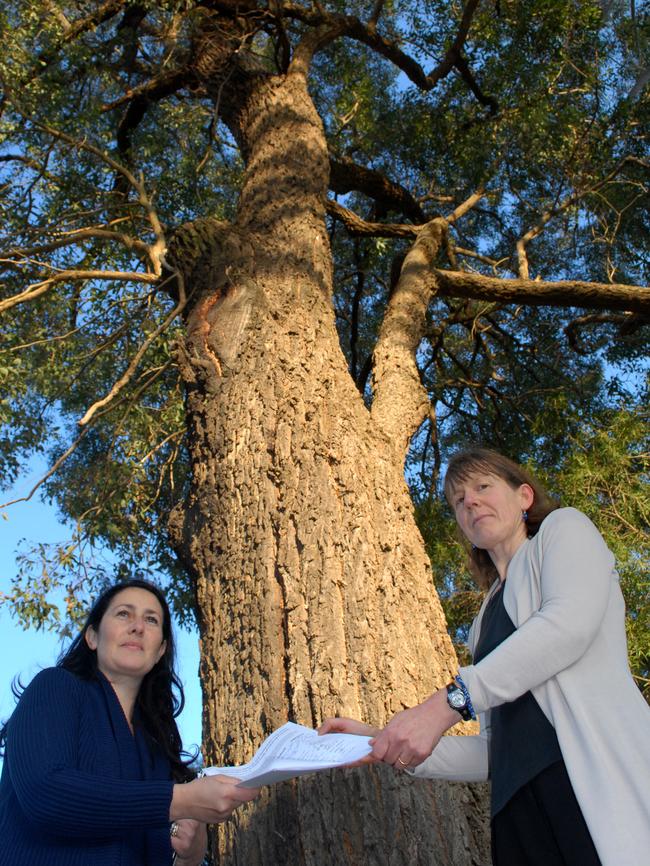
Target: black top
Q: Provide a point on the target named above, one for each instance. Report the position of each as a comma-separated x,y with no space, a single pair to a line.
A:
522,740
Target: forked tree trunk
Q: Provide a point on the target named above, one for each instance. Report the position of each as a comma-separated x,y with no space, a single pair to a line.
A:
314,590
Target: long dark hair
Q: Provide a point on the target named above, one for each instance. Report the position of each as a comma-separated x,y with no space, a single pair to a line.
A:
160,698
476,459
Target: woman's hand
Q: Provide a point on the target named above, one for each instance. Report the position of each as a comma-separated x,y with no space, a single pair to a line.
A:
341,725
189,841
210,799
411,736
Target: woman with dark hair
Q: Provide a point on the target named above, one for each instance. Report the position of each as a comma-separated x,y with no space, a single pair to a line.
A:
93,766
564,731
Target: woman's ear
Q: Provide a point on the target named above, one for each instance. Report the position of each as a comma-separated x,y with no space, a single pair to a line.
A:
91,637
527,496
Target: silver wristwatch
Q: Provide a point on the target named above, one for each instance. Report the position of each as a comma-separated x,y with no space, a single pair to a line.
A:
458,701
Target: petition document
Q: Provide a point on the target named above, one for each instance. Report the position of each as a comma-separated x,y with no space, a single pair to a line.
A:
294,750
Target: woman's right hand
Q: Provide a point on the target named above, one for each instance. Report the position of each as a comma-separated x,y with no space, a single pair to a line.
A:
342,725
211,799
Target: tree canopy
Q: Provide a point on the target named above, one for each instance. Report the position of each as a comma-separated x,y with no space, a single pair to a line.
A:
519,128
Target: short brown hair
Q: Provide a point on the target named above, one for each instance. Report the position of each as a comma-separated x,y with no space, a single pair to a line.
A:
476,459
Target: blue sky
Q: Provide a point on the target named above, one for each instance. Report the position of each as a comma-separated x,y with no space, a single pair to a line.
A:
25,652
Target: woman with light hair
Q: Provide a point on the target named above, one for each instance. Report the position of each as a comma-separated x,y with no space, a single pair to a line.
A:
564,731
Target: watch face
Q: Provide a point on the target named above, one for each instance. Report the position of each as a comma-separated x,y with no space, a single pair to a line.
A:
457,699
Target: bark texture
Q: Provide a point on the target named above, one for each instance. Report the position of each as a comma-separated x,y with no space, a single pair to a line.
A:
313,586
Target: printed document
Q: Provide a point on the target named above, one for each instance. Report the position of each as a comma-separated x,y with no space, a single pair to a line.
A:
294,750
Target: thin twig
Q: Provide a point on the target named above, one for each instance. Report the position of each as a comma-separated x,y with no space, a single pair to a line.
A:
156,250
161,444
548,215
50,471
128,373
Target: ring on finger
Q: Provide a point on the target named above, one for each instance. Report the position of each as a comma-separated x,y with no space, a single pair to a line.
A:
173,830
403,763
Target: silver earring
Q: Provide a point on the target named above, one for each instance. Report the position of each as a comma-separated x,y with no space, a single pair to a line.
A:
524,516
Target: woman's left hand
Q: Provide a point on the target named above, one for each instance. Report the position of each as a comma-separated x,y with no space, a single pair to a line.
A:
189,841
343,725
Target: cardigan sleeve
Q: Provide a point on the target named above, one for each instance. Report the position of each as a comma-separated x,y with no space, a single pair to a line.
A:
576,569
43,740
458,758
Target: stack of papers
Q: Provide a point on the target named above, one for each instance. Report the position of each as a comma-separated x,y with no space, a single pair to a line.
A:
294,750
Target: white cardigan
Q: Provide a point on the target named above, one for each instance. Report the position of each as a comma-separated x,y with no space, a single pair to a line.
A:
562,594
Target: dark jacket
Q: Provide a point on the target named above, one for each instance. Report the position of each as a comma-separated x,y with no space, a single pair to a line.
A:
77,788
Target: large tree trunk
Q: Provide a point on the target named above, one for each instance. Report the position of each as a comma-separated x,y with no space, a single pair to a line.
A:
314,591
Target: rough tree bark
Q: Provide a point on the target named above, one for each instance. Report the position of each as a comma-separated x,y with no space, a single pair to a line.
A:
314,590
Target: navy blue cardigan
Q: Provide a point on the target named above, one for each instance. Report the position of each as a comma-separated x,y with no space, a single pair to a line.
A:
77,788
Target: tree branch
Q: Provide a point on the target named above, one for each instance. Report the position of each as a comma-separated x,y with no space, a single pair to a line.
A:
346,176
376,12
334,26
103,13
465,206
400,401
73,237
463,67
567,293
356,226
493,263
140,98
361,228
627,323
37,289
